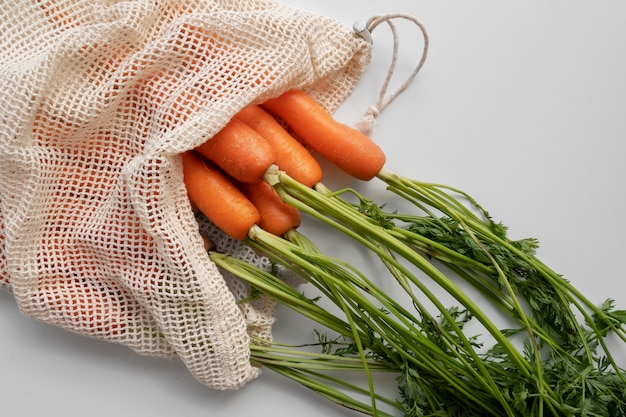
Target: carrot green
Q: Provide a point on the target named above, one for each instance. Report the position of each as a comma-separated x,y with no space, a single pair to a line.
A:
552,359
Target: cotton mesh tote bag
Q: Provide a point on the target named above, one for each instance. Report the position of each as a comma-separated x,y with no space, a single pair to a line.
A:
98,100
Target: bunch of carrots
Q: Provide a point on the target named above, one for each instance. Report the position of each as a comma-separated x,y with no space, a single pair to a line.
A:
225,175
254,179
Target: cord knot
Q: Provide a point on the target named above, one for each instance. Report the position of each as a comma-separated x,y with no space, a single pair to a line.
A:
367,123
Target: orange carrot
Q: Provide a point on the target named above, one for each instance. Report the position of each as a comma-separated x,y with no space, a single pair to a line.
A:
342,145
291,155
240,151
217,198
81,303
277,217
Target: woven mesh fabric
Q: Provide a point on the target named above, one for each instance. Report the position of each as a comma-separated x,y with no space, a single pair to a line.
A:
97,100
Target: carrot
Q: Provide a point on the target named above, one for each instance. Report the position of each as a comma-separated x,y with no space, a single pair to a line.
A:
277,217
82,304
217,197
240,151
291,155
342,145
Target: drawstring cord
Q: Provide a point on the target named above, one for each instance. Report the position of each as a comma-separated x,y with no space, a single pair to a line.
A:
364,30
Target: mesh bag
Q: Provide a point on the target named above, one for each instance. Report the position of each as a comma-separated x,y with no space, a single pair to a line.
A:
98,98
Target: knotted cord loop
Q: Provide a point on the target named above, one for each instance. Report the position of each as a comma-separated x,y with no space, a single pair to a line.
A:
364,30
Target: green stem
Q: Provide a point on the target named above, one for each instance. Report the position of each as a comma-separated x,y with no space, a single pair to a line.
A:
300,359
327,391
373,319
280,291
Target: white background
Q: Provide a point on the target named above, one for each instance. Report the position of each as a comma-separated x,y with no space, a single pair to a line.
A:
522,104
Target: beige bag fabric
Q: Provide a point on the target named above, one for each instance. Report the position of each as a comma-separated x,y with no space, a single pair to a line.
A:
97,100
